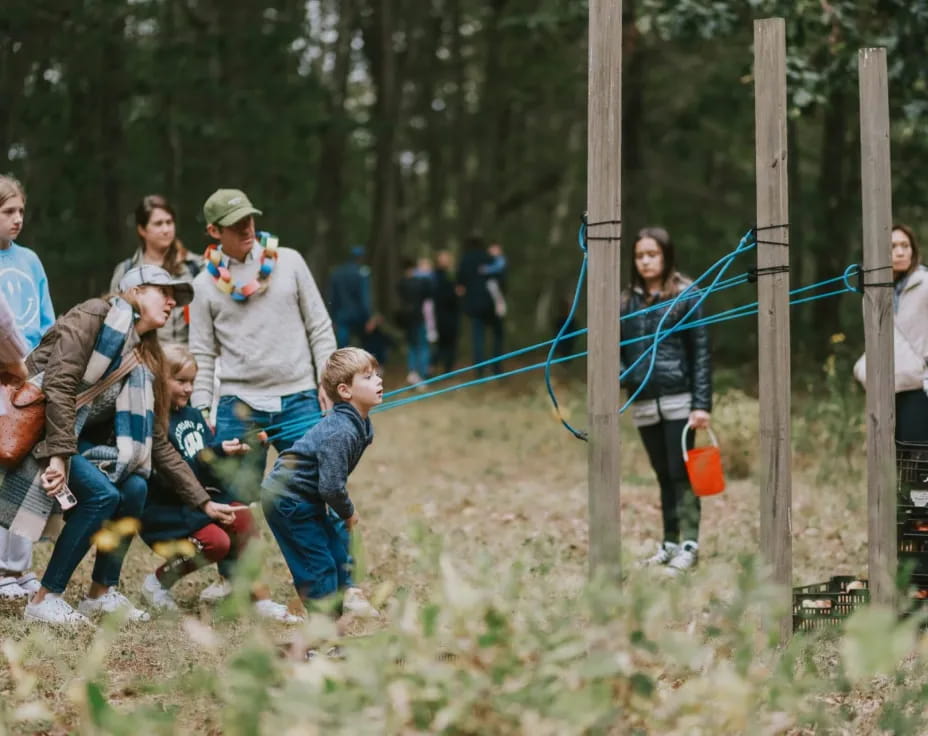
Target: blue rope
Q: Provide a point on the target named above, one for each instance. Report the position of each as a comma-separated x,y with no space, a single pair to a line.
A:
581,238
298,426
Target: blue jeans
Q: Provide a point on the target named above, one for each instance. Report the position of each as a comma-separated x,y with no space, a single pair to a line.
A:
314,546
236,419
478,326
98,500
417,350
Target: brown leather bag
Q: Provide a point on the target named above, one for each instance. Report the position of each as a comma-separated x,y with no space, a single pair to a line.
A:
22,425
24,422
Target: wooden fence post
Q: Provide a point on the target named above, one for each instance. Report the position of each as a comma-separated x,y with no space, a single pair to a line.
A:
876,198
604,189
773,315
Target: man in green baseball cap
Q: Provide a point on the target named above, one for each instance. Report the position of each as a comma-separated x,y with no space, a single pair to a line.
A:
227,206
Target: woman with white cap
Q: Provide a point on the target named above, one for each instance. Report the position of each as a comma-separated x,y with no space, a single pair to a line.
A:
102,371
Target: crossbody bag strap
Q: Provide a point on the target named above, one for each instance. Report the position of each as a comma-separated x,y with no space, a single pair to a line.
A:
129,362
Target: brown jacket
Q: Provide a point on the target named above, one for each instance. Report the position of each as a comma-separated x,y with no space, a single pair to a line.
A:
63,354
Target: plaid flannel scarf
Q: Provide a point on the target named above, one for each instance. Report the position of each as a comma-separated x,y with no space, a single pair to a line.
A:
25,509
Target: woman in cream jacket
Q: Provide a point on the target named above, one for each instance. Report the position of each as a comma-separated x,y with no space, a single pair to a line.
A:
910,328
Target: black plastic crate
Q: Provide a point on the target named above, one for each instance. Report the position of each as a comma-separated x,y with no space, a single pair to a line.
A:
826,605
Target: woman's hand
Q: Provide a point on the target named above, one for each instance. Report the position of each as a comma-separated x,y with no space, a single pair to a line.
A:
220,512
55,475
699,419
235,447
352,521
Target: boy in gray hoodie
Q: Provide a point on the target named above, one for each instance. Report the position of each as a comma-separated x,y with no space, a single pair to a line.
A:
310,479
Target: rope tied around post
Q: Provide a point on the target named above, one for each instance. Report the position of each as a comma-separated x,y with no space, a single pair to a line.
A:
754,272
758,228
878,284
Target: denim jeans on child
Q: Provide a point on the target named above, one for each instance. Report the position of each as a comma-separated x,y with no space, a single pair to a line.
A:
98,500
313,545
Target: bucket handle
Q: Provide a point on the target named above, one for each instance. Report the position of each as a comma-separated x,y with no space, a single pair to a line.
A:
689,426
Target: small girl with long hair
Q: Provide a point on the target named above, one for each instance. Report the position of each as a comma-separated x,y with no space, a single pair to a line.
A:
168,519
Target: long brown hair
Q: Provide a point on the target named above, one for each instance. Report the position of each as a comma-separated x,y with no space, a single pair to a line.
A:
176,253
153,356
910,234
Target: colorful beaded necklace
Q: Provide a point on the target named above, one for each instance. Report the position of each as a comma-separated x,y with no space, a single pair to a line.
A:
217,263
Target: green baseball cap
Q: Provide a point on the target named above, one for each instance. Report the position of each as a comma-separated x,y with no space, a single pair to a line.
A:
227,206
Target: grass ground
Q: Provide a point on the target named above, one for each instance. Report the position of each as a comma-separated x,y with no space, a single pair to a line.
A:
492,476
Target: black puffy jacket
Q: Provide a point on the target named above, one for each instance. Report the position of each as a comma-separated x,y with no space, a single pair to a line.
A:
684,361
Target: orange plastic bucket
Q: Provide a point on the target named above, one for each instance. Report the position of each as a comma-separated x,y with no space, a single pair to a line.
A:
704,466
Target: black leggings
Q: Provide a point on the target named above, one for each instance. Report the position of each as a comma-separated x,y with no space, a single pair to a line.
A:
912,416
679,505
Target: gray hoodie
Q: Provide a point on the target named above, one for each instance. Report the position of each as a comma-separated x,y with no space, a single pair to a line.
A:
319,463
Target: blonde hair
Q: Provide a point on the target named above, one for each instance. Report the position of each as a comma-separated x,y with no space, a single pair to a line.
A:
343,365
11,187
177,357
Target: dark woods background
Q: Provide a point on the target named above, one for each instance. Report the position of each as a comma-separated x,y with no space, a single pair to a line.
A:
409,124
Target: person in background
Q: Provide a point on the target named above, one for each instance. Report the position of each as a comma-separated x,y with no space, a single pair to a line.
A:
156,228
447,312
910,338
480,301
350,299
24,287
677,394
415,293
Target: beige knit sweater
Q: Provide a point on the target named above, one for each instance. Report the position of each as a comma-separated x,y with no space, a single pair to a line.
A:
274,344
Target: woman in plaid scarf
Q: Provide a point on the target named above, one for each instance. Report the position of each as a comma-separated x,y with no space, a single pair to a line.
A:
104,451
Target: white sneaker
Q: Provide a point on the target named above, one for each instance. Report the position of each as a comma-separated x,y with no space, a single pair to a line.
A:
11,590
111,602
29,582
276,612
665,553
216,591
54,610
157,595
685,559
356,603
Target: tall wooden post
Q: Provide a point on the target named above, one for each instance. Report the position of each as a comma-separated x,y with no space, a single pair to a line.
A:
878,323
604,187
773,326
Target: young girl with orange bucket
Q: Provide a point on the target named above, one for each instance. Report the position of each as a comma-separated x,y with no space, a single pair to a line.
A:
677,398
